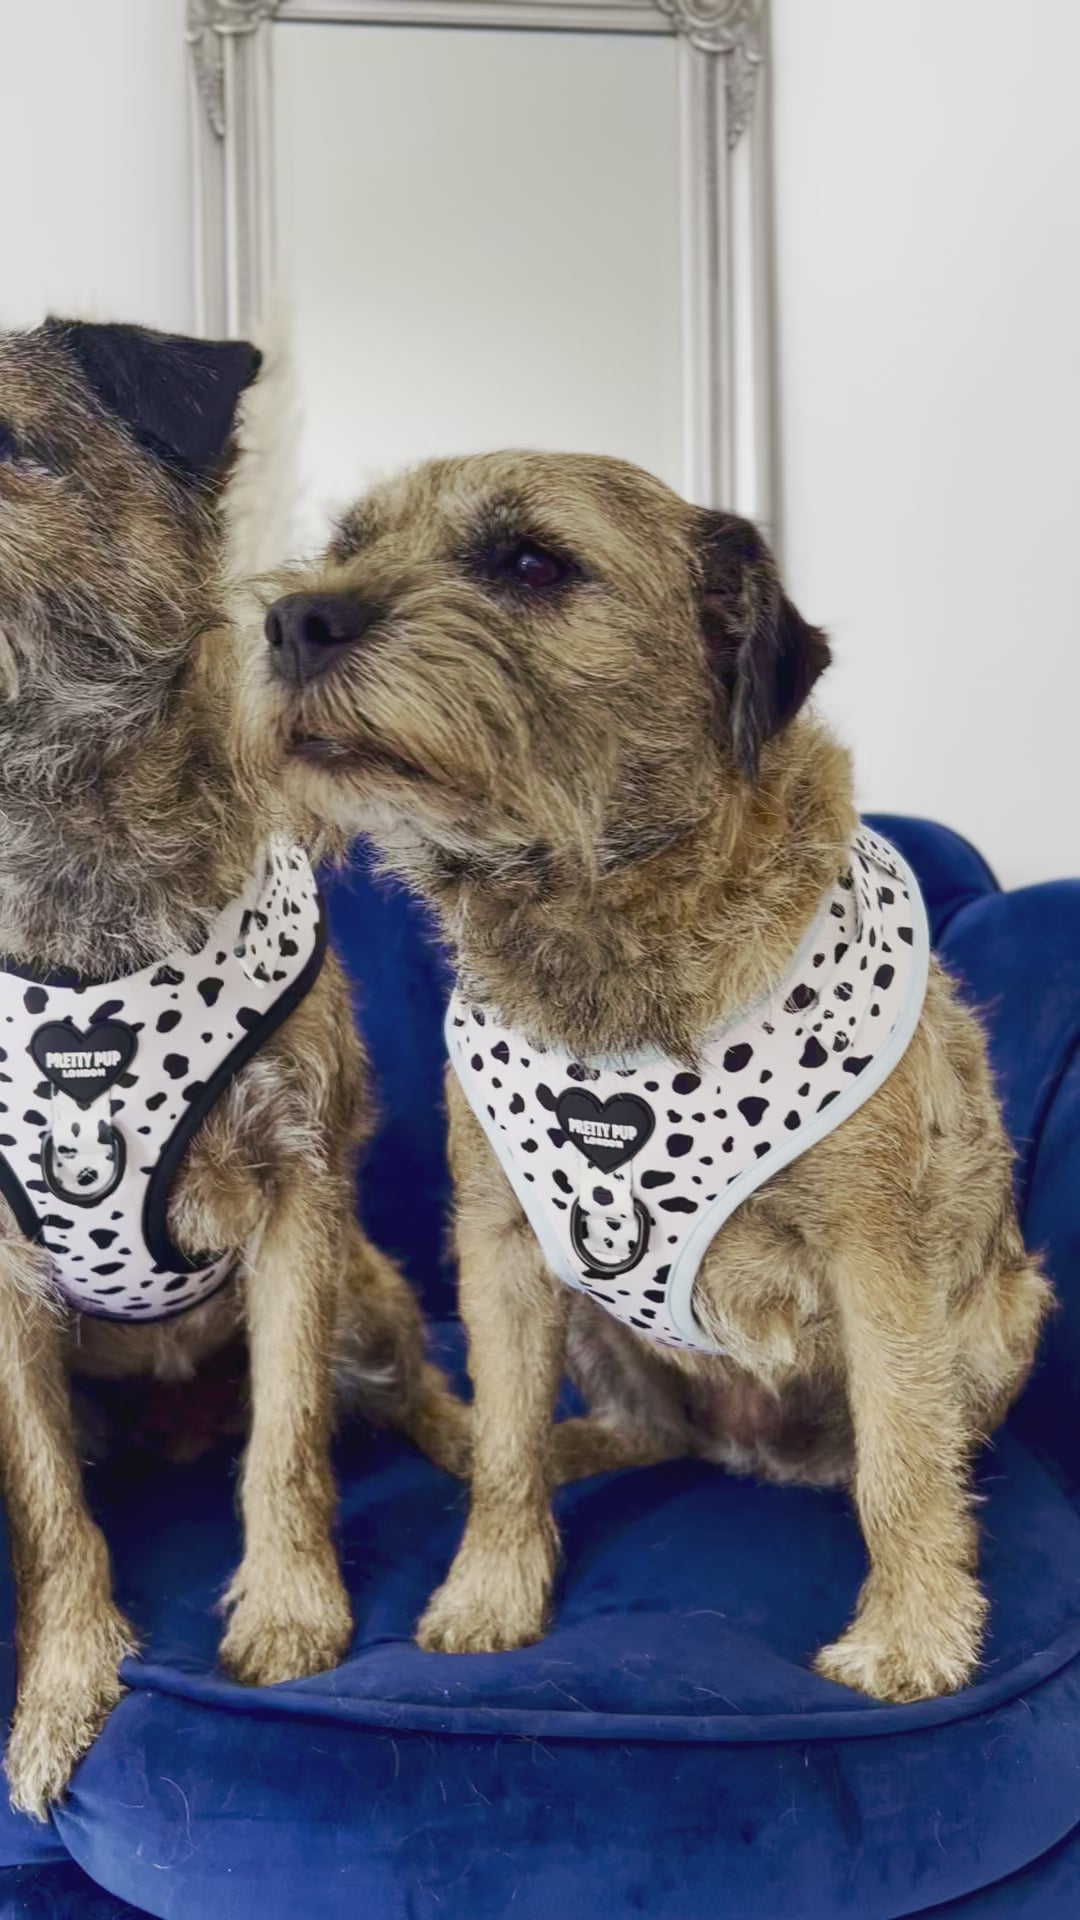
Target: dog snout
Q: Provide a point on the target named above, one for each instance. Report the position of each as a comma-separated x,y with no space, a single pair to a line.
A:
309,632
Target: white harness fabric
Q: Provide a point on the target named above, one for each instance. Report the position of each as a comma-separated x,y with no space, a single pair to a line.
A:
103,1086
628,1169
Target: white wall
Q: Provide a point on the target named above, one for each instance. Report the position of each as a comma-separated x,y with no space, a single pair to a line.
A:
94,197
481,246
928,240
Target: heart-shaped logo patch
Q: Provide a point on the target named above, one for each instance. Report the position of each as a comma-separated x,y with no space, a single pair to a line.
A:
83,1065
608,1133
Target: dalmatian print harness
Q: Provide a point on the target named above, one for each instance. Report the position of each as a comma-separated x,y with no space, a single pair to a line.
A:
102,1088
628,1169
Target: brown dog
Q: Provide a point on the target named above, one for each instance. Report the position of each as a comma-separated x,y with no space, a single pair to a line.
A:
125,830
569,709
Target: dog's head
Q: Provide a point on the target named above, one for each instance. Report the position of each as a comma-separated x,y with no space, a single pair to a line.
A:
114,444
519,660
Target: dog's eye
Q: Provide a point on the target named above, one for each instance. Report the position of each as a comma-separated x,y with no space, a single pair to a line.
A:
537,569
32,460
534,568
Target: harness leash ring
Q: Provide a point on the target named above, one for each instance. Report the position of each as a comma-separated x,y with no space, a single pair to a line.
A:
590,1259
90,1198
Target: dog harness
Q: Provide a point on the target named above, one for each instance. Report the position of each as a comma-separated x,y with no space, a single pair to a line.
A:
102,1088
627,1170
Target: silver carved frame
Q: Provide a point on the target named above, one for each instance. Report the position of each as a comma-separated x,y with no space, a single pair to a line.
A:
727,304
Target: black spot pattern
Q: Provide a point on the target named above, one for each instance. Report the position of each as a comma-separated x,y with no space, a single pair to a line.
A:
107,1010
795,1061
800,998
190,986
686,1083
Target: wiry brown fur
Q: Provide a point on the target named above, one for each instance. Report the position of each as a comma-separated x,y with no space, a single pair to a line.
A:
124,829
607,789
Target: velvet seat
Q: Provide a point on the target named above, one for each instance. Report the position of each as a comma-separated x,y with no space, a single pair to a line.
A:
667,1751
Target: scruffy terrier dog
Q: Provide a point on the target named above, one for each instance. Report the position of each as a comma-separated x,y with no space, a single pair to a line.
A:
140,876
570,710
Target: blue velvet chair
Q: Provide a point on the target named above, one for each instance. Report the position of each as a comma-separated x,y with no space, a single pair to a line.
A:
667,1752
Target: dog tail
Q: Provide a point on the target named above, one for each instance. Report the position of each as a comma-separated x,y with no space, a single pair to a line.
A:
261,498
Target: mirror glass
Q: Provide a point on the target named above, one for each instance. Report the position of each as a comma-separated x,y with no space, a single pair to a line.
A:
478,240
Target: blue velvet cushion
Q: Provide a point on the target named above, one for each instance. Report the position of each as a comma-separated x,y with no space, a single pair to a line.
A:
667,1750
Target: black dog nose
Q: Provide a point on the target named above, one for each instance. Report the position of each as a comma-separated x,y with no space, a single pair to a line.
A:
307,632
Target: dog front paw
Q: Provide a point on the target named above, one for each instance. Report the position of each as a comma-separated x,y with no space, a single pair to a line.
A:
66,1692
286,1628
490,1601
910,1651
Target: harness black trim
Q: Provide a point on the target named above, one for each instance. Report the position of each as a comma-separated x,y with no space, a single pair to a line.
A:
19,1201
160,1245
52,976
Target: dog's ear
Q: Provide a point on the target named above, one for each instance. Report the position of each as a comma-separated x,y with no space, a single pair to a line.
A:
177,395
763,656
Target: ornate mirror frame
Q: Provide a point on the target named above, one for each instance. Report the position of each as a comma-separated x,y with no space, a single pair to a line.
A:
724,180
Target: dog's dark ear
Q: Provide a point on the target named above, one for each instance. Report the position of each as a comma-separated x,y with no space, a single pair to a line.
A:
177,395
763,656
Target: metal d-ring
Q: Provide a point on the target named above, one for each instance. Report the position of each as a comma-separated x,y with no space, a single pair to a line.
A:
588,1257
70,1195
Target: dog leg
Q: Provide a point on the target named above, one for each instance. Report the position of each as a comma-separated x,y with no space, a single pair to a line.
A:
515,1312
497,1592
582,1446
69,1636
918,1625
381,1364
636,1403
289,1612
